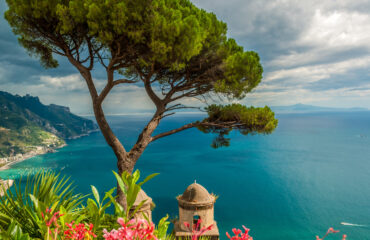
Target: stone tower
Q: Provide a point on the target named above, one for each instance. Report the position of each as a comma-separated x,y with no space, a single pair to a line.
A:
145,209
196,203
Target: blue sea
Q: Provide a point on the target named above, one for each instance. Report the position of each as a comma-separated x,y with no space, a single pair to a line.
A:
312,173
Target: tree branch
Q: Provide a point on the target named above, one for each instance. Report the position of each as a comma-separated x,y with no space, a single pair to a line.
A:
149,90
86,74
196,124
120,81
91,53
164,134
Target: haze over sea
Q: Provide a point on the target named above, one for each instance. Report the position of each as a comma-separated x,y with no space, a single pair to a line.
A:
312,173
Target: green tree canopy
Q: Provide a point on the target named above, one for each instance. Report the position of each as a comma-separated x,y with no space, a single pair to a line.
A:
170,47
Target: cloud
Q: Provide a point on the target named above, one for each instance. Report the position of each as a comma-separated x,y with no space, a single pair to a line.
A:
348,97
70,83
338,29
315,52
313,73
331,36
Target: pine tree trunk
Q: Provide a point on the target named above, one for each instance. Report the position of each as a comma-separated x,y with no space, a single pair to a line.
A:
123,161
123,164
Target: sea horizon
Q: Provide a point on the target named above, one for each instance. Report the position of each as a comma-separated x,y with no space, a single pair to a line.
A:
309,175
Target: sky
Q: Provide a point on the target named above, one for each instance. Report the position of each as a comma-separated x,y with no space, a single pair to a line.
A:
313,52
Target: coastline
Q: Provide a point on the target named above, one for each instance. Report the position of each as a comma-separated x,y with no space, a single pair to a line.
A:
40,150
84,134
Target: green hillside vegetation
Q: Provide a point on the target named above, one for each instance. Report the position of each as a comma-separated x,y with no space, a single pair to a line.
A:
25,139
16,110
26,123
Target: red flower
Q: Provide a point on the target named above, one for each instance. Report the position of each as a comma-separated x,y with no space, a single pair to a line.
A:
197,231
237,232
331,230
133,230
50,220
79,231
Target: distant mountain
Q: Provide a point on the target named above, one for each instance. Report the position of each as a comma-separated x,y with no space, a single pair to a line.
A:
303,108
26,123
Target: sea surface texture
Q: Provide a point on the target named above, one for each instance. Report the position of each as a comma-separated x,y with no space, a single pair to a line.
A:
312,173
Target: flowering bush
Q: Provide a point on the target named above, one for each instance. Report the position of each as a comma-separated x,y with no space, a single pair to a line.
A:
51,223
133,230
197,231
74,231
79,231
239,235
47,208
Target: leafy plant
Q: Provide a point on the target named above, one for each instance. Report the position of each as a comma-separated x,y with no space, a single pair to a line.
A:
14,232
162,227
24,206
95,211
46,208
129,186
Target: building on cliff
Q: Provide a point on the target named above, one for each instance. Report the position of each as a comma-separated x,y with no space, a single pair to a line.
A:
194,204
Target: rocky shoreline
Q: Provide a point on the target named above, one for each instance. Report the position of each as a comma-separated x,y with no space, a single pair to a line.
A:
84,134
39,150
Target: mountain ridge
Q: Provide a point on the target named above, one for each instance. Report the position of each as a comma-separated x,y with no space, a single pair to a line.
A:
27,125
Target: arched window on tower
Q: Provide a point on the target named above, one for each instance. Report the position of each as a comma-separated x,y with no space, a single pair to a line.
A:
196,222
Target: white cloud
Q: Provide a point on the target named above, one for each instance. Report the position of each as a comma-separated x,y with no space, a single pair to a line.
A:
70,82
348,97
329,33
337,29
313,73
301,44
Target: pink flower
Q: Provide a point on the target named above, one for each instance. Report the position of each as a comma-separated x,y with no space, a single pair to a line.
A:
121,221
330,230
49,219
237,232
133,230
197,231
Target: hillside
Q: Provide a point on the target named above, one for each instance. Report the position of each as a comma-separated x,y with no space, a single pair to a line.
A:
26,125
